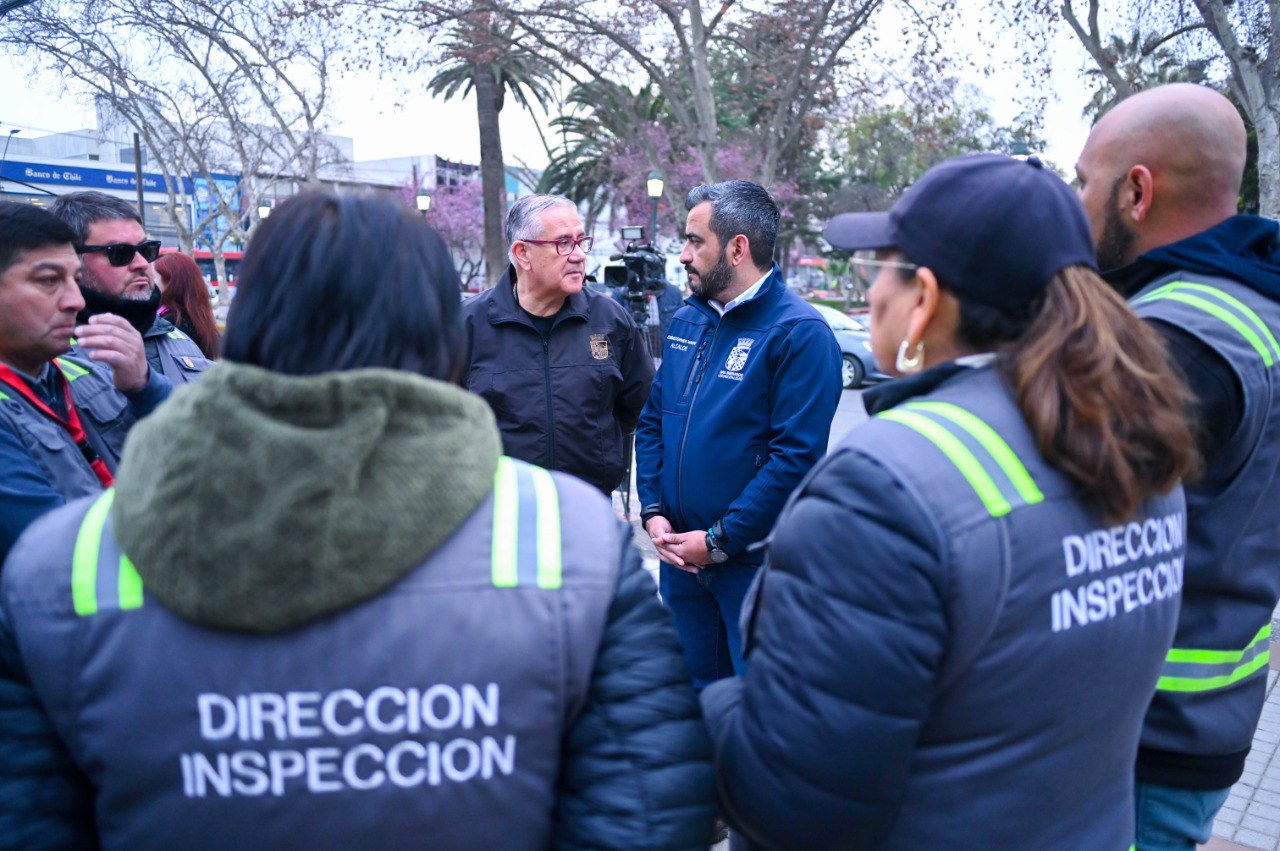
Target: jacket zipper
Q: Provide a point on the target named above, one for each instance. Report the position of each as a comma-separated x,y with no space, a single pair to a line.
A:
695,379
697,360
551,424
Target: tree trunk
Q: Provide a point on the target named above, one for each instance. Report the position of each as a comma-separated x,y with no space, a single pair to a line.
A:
220,273
492,173
702,94
1266,125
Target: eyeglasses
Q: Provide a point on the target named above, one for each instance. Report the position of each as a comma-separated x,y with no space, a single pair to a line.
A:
564,245
121,253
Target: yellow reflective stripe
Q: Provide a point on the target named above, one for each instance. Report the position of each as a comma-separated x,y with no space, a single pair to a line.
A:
1240,306
1218,311
1212,683
129,585
966,463
506,517
1189,670
71,370
84,560
549,540
1217,657
992,442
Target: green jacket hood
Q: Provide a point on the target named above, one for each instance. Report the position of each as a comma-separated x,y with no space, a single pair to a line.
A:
258,502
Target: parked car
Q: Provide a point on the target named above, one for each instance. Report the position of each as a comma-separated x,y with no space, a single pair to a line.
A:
854,338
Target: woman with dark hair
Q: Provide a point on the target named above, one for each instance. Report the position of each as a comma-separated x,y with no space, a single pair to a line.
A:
320,610
184,301
969,601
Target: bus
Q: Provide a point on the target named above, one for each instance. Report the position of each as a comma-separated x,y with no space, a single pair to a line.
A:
204,259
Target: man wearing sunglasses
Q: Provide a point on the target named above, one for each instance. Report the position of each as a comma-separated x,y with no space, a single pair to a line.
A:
117,278
564,368
63,417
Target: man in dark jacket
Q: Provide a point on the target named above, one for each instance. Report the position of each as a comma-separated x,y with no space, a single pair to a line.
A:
1160,176
740,411
564,368
118,278
63,419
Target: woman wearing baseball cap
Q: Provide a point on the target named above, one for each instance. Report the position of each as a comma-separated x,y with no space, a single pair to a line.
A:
968,602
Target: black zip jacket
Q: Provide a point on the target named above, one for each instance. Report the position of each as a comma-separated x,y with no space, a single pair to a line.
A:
562,402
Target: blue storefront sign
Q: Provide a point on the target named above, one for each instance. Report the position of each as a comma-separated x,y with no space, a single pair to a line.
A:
82,178
91,178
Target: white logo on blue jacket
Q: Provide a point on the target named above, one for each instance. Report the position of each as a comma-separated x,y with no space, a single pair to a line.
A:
737,358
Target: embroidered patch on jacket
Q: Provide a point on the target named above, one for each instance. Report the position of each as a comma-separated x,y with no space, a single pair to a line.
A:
738,355
599,346
188,362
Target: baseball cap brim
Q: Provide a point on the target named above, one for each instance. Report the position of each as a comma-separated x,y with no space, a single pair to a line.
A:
860,231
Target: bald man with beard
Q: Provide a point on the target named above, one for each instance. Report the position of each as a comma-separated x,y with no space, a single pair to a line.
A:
1160,178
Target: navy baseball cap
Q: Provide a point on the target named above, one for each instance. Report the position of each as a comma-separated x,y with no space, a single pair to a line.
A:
994,228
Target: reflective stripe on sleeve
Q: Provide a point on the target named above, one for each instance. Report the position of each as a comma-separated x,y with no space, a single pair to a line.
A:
1209,670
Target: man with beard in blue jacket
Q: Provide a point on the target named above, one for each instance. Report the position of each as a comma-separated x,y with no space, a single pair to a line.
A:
1160,177
740,410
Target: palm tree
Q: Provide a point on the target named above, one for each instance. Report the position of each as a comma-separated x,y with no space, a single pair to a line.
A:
1143,63
580,168
484,55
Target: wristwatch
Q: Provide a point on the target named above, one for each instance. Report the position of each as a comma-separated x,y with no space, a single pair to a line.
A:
718,555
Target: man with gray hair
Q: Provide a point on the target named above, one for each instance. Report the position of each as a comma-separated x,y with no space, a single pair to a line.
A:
117,278
564,368
741,409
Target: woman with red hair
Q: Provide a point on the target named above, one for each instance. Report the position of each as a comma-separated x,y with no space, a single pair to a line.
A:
184,301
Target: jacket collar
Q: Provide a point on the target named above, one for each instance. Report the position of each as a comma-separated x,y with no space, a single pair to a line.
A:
893,393
503,306
773,288
159,328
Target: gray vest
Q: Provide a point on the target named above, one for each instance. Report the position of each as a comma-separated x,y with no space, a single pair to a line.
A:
1211,691
1058,623
105,416
179,357
430,715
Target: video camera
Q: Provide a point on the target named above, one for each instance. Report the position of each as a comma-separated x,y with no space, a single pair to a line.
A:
643,272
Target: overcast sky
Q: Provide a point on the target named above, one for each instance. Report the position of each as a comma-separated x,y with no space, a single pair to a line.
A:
386,123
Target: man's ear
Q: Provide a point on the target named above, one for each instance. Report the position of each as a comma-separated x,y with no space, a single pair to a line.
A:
1137,195
738,250
520,251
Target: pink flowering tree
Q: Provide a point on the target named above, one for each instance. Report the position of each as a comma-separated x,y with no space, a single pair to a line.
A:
681,171
457,214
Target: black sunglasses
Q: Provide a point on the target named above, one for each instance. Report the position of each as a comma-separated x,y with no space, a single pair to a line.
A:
121,253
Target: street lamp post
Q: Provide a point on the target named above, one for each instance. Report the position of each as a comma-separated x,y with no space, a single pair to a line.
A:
655,192
264,210
424,203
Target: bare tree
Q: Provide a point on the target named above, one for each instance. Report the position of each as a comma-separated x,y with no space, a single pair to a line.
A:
669,44
228,96
1243,35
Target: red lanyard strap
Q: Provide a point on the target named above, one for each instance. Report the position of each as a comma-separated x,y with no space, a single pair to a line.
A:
71,424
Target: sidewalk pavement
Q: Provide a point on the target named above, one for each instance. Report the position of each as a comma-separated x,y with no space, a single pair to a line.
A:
1251,816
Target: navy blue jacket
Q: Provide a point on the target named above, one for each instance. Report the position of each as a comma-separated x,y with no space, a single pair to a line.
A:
740,411
946,647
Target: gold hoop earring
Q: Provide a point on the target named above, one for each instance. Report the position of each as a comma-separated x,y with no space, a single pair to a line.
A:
907,365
